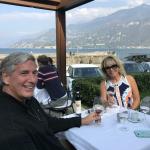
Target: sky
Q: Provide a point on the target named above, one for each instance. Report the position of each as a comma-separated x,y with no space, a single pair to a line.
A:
17,22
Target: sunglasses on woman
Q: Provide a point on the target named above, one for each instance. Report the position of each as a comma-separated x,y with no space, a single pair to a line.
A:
111,67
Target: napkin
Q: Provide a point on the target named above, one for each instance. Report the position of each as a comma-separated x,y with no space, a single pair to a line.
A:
142,133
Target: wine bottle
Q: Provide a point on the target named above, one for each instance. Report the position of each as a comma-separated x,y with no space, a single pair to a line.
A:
78,102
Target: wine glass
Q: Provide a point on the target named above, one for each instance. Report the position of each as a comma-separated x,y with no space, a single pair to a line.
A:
110,96
98,108
144,109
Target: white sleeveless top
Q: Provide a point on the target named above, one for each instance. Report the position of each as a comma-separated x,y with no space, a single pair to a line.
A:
121,92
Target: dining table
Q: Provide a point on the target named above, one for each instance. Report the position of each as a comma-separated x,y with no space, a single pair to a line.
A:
108,134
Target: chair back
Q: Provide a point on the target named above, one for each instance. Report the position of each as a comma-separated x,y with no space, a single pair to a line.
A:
62,109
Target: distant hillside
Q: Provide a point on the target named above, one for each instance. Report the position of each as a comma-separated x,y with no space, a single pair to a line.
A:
125,28
46,39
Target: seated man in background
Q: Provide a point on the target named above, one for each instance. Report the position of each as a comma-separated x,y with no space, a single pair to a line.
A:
48,79
24,125
51,63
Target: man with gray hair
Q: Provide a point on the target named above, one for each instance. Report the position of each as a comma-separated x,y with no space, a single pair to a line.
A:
24,125
0,76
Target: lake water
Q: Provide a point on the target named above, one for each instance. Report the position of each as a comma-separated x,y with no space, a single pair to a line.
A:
121,53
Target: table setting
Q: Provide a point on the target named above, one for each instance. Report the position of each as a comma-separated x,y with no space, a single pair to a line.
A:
119,128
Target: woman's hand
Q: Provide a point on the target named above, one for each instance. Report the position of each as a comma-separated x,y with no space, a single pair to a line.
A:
110,100
90,118
107,97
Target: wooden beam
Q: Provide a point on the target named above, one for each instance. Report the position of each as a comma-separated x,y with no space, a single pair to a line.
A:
30,4
47,4
55,1
69,4
61,44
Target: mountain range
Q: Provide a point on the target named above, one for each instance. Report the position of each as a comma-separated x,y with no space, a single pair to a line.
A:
128,28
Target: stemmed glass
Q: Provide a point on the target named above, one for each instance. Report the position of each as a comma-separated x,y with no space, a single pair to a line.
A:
110,95
98,108
144,109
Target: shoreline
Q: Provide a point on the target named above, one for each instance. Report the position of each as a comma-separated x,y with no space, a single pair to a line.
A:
75,58
120,52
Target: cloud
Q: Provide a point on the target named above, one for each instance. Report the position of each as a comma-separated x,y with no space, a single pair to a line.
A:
133,3
130,3
19,15
21,23
88,14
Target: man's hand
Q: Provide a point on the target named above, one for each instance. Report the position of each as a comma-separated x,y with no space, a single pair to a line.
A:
90,118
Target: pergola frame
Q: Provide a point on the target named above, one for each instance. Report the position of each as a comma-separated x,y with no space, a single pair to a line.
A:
60,6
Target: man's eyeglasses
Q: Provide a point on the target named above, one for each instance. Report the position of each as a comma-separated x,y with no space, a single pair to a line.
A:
111,67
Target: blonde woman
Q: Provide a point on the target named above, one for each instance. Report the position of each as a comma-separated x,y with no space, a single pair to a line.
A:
118,88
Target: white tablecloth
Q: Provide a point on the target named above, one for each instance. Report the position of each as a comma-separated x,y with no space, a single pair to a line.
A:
108,136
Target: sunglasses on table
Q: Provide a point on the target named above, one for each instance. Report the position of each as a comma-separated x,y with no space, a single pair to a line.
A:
111,67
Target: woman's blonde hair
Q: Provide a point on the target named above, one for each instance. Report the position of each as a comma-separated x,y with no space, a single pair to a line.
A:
118,63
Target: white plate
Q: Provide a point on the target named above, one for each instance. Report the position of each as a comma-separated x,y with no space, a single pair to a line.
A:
135,121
